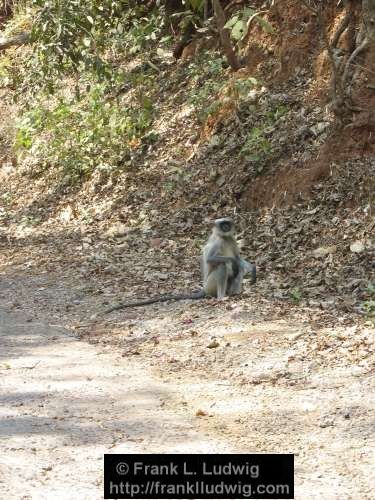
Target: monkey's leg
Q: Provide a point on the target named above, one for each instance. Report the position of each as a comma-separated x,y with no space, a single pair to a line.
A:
235,283
222,281
217,281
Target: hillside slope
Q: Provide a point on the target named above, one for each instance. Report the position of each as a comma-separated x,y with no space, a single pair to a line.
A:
260,143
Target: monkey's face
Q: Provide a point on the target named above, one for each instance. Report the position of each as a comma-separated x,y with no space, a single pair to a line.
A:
224,226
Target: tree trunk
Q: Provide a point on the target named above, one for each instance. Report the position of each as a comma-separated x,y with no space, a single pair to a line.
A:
224,36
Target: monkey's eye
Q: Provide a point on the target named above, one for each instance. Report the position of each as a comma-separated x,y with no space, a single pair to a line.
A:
225,226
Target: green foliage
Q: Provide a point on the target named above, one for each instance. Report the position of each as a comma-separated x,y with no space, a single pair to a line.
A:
296,295
368,306
369,309
276,113
191,15
78,49
81,44
207,76
70,35
238,24
80,135
136,32
243,85
195,5
205,67
13,61
5,68
204,100
210,81
85,36
29,221
257,147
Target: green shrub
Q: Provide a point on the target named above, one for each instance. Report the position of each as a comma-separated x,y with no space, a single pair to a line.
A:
80,135
296,295
257,147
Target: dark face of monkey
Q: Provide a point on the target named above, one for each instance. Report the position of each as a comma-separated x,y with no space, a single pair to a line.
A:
224,226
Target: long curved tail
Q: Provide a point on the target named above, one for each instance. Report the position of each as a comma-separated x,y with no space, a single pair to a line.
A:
163,298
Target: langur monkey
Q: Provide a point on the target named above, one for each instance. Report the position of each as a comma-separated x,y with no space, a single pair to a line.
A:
223,268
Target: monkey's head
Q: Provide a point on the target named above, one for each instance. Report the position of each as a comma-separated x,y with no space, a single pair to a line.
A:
224,227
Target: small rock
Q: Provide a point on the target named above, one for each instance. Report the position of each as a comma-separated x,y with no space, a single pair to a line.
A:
326,422
357,246
220,181
201,413
319,128
323,251
213,344
155,242
296,336
162,276
327,304
214,141
117,229
66,214
253,95
7,168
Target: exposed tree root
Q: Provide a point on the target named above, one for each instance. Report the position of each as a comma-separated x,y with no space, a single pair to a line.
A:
340,85
349,62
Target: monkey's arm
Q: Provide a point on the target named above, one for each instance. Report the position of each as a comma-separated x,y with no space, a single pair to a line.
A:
219,259
163,298
213,258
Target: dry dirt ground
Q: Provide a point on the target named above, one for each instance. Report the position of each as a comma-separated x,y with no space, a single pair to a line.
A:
65,403
230,376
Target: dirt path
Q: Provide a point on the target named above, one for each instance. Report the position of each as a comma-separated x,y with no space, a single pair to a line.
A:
64,403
